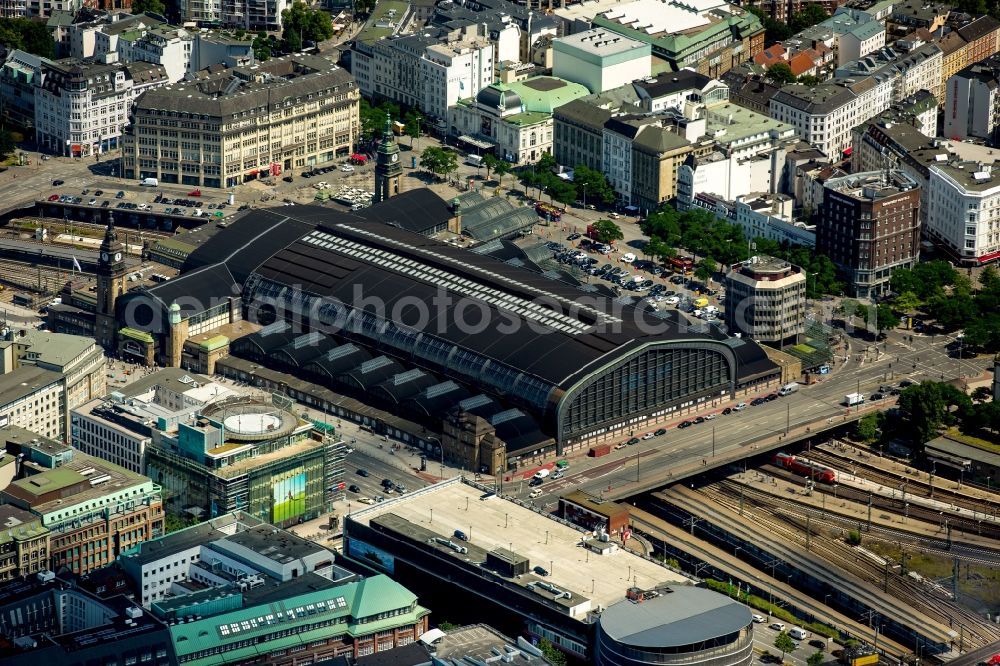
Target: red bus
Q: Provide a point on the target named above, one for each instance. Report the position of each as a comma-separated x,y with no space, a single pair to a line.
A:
681,264
548,211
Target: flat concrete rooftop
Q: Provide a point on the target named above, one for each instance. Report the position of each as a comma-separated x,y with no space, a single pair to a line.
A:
498,523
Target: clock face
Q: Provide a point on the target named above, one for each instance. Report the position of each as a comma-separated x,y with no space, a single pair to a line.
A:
118,256
104,256
395,157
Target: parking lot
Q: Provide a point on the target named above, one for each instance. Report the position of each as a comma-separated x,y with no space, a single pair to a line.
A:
193,204
658,286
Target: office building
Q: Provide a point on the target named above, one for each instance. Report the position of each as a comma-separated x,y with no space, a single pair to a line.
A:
92,508
766,300
118,427
82,107
250,15
48,620
35,399
600,59
226,577
78,359
711,38
24,542
242,453
869,225
963,210
561,606
289,113
972,108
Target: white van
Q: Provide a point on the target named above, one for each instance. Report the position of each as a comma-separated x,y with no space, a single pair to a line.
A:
542,473
798,633
788,388
149,182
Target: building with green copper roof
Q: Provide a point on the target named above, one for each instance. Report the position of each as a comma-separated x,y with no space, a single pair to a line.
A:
513,120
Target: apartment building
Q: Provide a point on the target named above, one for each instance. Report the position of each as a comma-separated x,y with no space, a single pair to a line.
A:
93,509
972,106
963,212
910,65
431,71
766,300
237,125
78,359
824,115
81,107
869,225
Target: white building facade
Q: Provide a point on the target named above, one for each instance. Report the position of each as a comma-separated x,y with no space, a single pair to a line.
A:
600,59
963,210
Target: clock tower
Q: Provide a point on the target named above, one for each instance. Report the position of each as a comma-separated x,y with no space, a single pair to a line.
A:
387,166
110,285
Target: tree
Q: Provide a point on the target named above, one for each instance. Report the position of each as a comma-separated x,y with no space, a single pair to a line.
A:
780,73
447,626
551,652
885,318
606,231
907,302
490,161
364,7
502,168
952,311
809,80
592,185
7,143
27,35
302,23
868,427
784,643
774,31
262,48
659,250
930,405
439,161
810,15
816,658
706,269
982,394
151,6
412,121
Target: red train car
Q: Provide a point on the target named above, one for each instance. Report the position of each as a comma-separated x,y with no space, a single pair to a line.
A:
805,468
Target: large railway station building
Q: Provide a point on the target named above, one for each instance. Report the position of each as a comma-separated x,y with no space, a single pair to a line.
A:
355,301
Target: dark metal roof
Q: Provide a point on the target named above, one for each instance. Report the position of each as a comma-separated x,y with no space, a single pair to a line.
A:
419,211
371,373
303,349
337,361
557,341
437,400
404,385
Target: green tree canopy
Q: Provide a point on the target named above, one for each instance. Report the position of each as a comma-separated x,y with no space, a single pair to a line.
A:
363,7
706,269
774,31
930,405
303,23
809,80
816,658
28,35
490,161
551,652
592,185
607,231
868,428
810,15
502,168
152,6
439,161
780,73
7,143
784,643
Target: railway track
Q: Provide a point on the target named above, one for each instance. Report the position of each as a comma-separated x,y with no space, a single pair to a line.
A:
914,486
25,276
849,583
959,525
892,535
929,599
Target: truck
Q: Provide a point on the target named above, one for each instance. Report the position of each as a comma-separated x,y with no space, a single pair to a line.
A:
599,450
852,399
542,473
474,160
149,182
788,388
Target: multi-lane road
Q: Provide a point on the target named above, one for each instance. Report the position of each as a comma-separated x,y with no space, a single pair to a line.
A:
818,406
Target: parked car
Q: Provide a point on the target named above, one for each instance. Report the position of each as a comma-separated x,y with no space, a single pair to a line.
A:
649,435
541,571
758,619
120,195
54,197
633,441
363,472
660,433
354,488
537,492
778,626
685,424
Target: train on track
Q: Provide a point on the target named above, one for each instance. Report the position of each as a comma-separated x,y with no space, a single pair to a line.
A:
806,467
